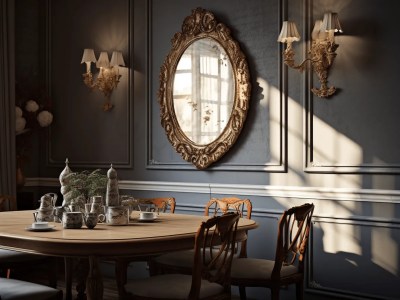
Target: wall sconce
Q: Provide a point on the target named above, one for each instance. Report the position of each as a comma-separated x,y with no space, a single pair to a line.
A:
322,51
108,77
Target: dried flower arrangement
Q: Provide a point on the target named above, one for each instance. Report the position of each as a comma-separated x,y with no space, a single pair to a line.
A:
83,185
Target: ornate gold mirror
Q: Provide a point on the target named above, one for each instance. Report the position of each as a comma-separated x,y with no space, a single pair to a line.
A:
204,90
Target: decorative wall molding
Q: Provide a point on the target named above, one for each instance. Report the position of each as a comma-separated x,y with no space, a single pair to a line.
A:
295,192
310,164
122,164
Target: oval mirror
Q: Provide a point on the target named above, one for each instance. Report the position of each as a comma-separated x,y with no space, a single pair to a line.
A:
204,90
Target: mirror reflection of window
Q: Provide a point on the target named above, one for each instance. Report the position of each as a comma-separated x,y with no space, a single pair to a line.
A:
203,91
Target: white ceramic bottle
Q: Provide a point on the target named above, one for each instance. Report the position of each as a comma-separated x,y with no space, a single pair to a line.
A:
112,193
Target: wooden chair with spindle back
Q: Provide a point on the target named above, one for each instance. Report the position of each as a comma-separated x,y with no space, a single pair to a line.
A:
288,266
182,261
163,205
213,253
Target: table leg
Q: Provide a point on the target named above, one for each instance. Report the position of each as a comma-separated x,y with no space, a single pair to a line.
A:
82,270
68,261
94,282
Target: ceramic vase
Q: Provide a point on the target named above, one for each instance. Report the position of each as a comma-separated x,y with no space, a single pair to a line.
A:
112,193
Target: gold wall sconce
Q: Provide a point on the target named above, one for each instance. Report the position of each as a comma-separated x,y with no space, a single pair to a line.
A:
108,76
321,53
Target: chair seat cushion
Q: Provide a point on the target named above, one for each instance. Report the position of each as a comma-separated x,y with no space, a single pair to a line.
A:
257,269
179,259
9,256
12,289
171,286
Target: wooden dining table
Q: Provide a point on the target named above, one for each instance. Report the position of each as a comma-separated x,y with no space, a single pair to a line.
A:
169,232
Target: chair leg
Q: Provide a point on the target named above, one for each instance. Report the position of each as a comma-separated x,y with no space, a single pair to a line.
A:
153,268
242,292
275,293
52,272
299,291
81,270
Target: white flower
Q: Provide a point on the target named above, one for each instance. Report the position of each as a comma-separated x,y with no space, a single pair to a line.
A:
45,118
18,112
31,106
20,123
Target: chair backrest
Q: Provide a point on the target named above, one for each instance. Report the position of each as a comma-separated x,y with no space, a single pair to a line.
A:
293,232
7,202
222,205
161,203
213,252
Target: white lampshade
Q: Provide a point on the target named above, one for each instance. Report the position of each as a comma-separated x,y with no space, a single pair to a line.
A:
103,61
317,33
288,33
88,56
117,59
331,22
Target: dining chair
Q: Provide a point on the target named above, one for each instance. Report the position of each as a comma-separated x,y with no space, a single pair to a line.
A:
12,289
210,279
182,261
8,202
13,260
161,204
288,266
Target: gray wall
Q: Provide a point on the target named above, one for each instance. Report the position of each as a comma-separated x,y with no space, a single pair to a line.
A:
341,154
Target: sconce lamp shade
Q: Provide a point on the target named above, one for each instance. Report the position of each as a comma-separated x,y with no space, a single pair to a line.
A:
331,22
117,59
103,61
317,33
288,33
88,56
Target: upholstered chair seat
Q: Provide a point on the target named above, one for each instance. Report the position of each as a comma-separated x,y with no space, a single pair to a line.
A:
12,289
9,256
258,270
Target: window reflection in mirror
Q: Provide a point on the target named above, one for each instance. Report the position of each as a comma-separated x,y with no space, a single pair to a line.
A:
203,91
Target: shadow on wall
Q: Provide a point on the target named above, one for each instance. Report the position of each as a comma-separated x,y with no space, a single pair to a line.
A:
349,272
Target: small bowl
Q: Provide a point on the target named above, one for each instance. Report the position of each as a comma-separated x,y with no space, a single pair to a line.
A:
40,225
147,215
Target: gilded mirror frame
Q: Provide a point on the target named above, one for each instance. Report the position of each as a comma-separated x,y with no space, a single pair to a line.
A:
202,24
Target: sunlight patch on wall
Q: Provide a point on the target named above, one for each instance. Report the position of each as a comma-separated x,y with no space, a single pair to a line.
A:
334,208
331,147
340,238
275,121
384,249
295,138
264,87
271,102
